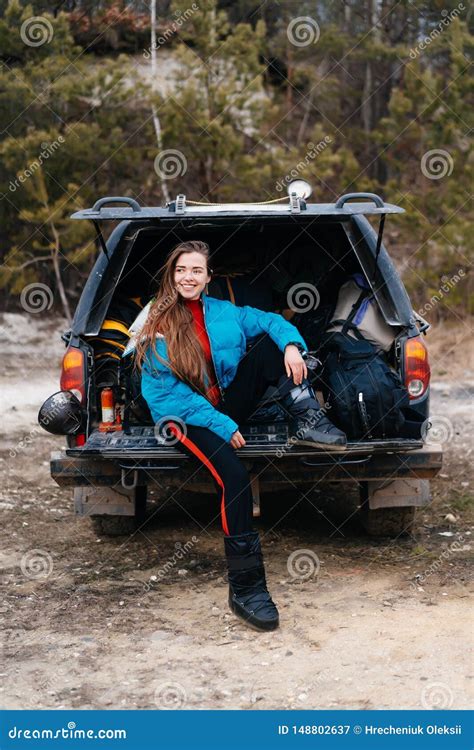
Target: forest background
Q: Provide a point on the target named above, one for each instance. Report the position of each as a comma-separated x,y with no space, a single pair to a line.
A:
228,101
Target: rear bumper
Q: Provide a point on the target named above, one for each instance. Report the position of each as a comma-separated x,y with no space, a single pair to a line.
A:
173,469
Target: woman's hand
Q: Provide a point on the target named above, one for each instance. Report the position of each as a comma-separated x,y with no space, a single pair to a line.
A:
237,440
295,364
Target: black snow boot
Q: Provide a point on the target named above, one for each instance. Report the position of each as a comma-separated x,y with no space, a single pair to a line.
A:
308,423
248,593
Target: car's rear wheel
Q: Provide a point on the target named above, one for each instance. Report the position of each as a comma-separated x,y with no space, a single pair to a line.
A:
113,525
109,525
391,522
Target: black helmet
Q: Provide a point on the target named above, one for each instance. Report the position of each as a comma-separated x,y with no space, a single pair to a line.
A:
62,414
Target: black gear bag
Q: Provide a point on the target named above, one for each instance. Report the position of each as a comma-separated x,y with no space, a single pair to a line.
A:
364,396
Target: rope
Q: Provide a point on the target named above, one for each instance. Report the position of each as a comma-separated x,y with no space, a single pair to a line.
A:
252,203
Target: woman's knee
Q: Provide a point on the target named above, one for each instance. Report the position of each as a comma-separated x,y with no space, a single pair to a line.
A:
217,455
220,458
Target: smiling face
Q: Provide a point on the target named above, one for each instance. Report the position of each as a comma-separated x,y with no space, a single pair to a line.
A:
190,275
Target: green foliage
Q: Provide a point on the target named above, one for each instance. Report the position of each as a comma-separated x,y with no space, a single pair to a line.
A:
431,113
20,37
218,106
358,108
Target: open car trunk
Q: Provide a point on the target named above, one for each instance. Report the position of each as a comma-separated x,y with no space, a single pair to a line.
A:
272,263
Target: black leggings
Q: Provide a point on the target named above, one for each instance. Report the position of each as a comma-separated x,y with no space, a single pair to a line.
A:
262,365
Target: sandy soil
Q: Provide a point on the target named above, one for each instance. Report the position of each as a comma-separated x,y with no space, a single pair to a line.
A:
92,622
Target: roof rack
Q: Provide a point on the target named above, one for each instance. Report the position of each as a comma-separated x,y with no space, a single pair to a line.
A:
129,208
295,204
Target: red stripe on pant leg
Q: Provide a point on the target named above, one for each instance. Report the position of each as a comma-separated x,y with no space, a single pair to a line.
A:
199,454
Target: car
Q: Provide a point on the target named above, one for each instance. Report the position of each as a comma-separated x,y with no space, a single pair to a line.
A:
115,458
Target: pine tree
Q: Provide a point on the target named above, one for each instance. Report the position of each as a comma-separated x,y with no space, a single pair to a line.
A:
429,160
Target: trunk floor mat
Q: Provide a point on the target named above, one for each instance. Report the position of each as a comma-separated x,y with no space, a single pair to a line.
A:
261,439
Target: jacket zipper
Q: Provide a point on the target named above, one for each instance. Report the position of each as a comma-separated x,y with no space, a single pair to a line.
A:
210,347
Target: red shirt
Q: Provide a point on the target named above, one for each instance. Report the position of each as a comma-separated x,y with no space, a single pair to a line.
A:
195,305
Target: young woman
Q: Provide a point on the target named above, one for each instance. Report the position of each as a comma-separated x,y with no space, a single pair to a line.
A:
196,370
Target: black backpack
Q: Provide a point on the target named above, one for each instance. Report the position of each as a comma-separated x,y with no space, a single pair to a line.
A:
365,398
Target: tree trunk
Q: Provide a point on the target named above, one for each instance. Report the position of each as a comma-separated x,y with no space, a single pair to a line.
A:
321,71
348,31
289,75
154,111
366,107
370,108
209,180
57,272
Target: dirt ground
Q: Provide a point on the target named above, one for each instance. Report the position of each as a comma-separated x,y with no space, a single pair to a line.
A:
91,622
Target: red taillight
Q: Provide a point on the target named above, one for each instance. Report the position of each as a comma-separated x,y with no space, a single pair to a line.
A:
417,367
73,373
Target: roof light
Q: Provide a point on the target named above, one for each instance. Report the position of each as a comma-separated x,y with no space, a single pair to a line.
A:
302,188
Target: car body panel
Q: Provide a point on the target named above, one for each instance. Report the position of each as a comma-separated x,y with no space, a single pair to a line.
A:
179,470
109,460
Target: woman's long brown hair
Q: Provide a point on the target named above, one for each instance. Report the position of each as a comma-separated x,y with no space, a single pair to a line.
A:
169,316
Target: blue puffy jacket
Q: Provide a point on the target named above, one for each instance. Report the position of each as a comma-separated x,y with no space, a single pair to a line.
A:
229,328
